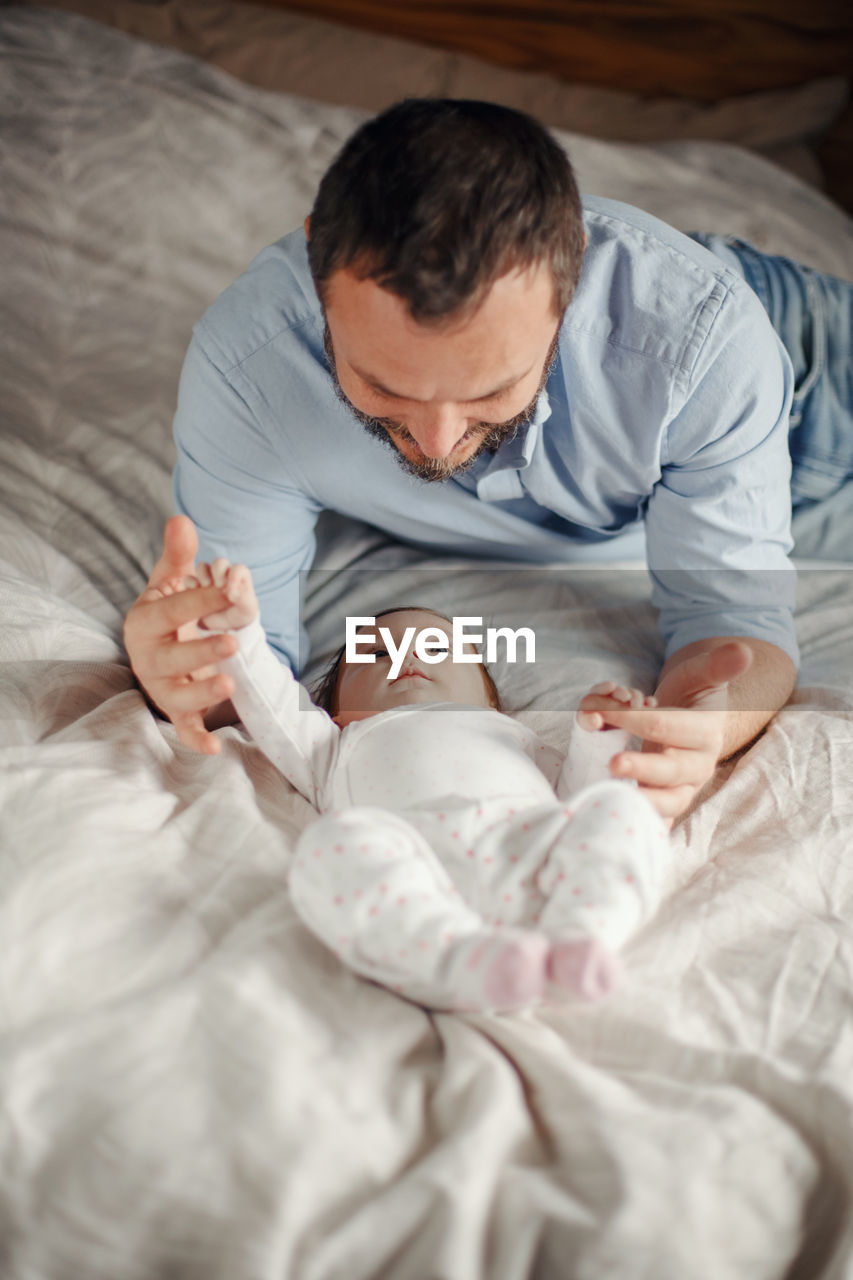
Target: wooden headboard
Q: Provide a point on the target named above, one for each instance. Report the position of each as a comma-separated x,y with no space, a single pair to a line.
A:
706,49
700,49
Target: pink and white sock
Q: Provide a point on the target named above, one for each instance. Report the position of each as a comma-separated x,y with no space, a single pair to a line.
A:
508,970
582,967
497,971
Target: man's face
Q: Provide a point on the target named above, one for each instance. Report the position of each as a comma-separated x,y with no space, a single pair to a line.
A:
441,395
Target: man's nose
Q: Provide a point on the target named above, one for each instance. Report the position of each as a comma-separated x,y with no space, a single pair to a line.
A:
439,430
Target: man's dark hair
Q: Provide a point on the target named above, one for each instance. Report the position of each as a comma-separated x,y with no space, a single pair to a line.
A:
436,198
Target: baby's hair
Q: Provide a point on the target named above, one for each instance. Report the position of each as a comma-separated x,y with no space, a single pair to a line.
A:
325,691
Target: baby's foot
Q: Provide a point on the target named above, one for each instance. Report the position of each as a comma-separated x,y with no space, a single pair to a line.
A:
235,581
500,971
583,967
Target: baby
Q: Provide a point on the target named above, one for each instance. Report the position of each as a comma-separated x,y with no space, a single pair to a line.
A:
452,863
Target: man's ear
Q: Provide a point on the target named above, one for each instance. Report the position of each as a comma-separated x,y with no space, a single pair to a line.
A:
307,225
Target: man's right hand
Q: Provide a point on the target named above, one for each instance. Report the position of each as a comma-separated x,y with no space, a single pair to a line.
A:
173,660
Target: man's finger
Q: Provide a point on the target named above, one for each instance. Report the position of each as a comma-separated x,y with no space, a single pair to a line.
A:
728,661
161,617
672,726
181,697
180,548
670,768
707,671
189,657
669,802
192,733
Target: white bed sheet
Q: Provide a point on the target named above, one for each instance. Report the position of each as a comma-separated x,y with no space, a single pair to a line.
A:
193,1087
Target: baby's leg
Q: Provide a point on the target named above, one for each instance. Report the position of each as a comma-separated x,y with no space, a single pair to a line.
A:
368,884
602,881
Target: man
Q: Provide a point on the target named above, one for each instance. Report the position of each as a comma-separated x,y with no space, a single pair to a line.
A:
533,379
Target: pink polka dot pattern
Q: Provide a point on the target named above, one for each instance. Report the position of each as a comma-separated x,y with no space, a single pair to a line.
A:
396,879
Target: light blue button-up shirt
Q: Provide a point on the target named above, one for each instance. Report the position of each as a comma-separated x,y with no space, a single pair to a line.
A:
663,431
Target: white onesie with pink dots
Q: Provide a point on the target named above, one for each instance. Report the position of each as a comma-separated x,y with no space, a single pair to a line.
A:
460,860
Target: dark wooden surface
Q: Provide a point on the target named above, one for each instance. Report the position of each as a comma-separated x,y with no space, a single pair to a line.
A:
704,49
699,49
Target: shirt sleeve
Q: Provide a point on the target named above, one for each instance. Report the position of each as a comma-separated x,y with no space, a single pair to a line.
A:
298,737
718,520
234,480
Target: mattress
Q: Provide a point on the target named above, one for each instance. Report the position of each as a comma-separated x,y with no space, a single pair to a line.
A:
192,1085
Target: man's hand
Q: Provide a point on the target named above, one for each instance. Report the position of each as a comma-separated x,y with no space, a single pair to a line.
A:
683,735
173,660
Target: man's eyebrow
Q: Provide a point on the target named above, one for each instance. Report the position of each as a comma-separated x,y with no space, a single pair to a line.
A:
395,395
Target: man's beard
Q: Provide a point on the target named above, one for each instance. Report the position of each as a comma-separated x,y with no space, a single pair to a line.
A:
491,435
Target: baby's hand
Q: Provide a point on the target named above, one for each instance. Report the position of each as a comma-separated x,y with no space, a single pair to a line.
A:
170,587
592,713
235,582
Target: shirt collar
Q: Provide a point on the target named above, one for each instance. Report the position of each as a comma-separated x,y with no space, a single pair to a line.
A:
517,453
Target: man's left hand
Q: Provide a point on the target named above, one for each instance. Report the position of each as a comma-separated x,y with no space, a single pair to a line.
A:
683,735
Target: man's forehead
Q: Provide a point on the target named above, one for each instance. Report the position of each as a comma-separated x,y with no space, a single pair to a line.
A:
374,336
393,393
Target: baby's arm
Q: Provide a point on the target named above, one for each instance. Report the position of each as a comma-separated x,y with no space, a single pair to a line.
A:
299,738
594,742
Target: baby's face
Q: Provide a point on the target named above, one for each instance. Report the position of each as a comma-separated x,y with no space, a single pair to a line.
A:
365,690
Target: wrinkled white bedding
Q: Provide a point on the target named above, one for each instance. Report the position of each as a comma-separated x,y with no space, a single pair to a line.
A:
192,1086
